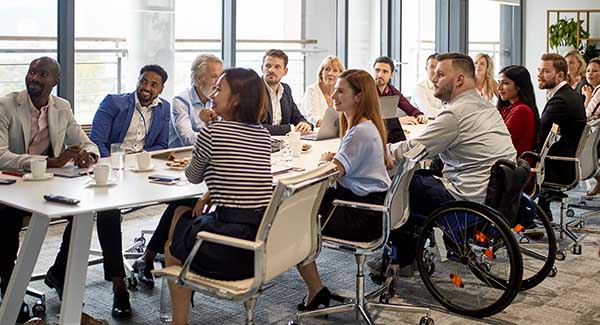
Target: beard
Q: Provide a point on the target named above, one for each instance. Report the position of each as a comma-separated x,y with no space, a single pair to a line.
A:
548,84
444,93
206,90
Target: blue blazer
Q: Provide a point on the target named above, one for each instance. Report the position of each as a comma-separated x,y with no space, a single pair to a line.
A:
113,117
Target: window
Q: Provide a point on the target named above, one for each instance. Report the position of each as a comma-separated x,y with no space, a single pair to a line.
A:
418,41
27,31
364,33
271,24
108,56
484,30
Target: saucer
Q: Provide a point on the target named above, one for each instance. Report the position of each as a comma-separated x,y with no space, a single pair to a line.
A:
109,182
141,170
29,177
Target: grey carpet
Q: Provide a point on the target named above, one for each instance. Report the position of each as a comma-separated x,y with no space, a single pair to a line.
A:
570,298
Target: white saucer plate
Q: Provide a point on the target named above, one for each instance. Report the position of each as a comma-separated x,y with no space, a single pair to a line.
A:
29,177
110,182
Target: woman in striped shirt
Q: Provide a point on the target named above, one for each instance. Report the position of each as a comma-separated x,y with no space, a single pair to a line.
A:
362,162
233,157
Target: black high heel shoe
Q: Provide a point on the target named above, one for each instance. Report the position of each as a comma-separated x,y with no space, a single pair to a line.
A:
322,298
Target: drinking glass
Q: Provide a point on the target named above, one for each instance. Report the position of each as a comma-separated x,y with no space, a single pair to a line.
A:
117,156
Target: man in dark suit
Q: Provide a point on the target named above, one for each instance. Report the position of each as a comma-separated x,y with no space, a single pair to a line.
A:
565,108
283,114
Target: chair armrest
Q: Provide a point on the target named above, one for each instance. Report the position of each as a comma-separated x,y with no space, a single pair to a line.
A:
559,158
359,205
214,238
534,155
229,241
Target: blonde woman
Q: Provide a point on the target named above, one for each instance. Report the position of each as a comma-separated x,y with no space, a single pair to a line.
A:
484,76
576,65
317,97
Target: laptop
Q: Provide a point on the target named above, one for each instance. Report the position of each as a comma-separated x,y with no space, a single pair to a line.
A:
329,127
389,106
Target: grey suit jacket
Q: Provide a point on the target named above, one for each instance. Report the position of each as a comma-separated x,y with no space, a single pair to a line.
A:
15,125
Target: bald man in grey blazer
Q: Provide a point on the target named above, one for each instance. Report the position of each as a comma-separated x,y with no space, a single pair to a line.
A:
37,125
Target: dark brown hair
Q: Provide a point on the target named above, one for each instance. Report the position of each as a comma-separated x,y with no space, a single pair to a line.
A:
558,62
276,54
249,87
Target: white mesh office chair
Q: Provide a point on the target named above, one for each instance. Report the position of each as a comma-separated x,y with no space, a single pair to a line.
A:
395,211
558,191
287,236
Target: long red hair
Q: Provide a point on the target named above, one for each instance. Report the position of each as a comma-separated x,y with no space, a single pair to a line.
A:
367,107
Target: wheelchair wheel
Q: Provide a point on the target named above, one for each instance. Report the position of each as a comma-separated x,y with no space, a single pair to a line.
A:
538,248
474,253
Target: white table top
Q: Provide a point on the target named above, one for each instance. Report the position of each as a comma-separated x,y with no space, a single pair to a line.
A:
132,188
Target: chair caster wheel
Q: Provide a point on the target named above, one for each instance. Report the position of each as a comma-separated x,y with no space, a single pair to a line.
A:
561,255
426,320
570,213
524,240
576,249
38,309
384,298
553,272
132,282
141,240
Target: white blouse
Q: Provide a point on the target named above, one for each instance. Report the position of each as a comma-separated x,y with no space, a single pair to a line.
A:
594,104
314,103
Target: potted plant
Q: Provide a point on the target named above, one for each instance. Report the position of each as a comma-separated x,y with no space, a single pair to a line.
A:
564,34
590,51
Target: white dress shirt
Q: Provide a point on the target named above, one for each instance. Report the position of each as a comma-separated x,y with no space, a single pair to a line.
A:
139,126
275,97
424,100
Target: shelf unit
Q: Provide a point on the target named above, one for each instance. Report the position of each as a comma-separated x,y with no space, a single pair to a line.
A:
579,13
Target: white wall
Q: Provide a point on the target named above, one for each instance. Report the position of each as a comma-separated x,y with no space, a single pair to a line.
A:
320,24
534,32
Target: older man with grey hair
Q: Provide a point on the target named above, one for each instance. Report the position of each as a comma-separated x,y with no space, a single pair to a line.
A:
191,108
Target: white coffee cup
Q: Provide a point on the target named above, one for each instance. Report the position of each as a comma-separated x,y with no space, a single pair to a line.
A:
143,160
101,173
38,168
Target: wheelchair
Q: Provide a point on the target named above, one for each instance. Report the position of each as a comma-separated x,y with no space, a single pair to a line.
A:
473,258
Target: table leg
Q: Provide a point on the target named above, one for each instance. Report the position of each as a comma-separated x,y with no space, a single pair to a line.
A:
81,235
26,260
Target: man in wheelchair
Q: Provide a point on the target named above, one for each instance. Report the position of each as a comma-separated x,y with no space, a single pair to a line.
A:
468,136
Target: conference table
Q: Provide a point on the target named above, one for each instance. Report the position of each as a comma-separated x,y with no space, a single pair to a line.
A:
131,189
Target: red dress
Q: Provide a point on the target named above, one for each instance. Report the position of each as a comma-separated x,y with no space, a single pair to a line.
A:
520,121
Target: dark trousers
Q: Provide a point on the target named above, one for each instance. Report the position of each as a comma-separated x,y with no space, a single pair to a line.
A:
161,233
109,234
427,193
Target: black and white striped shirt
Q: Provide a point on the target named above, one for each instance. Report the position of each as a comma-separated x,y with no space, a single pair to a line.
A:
235,161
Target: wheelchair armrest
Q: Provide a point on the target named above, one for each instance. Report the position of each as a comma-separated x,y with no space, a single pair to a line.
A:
229,241
359,205
534,155
559,158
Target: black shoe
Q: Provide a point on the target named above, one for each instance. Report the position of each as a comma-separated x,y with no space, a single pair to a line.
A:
121,306
322,298
24,314
53,282
143,272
